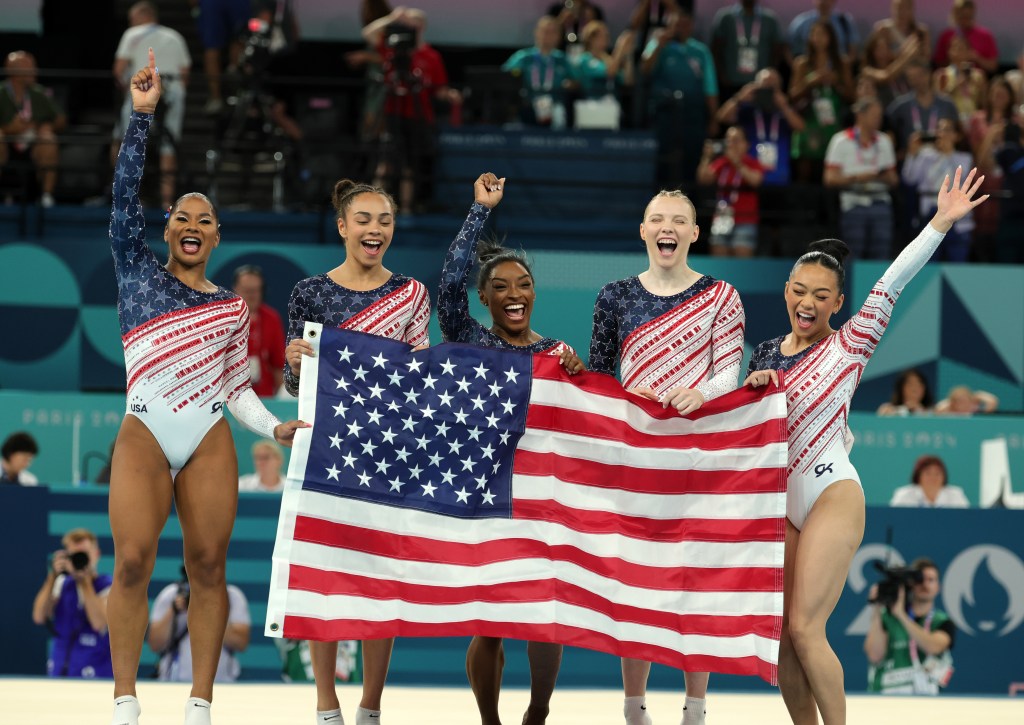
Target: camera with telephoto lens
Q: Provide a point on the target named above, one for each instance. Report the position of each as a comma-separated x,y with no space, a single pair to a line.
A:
79,560
895,579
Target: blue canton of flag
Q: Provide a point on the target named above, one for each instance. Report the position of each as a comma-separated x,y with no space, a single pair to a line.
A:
433,430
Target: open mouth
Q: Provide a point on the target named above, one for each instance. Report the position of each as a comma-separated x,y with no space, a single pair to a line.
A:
516,312
191,245
666,247
372,247
804,320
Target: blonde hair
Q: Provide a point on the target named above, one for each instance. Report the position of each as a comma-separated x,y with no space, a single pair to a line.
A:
268,445
78,535
590,30
673,194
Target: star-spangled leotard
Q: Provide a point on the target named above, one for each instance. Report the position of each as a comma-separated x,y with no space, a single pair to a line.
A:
457,324
692,339
399,309
820,381
184,350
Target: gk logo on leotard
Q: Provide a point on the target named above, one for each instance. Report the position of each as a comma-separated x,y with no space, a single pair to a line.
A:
216,407
821,469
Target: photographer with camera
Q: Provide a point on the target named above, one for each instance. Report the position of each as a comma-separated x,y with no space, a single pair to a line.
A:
72,603
168,633
909,641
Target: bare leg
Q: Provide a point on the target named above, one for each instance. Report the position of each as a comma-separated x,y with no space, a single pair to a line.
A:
206,496
324,658
744,251
545,659
376,660
140,501
634,676
828,541
796,690
485,659
696,684
45,154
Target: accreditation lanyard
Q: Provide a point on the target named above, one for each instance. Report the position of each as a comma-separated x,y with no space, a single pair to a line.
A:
724,193
759,122
755,29
862,159
25,112
915,115
549,72
912,644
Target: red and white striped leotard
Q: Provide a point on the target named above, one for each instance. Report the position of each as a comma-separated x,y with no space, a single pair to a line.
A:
821,380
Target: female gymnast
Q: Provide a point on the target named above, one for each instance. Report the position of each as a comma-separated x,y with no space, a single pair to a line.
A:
359,294
506,287
185,347
825,501
677,336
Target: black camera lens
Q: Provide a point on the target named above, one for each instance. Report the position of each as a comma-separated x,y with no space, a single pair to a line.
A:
79,560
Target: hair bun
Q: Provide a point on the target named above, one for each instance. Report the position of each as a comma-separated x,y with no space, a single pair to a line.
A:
341,189
488,248
833,247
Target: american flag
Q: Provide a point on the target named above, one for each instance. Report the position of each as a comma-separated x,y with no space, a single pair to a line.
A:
460,490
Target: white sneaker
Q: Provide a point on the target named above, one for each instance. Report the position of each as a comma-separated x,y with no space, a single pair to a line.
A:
126,711
46,200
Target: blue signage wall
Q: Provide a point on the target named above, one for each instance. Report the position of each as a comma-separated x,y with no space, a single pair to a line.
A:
979,553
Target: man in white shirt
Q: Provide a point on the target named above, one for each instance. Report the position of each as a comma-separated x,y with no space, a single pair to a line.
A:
174,62
861,162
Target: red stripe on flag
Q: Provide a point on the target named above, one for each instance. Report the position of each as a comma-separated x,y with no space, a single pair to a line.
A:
418,548
333,630
545,590
648,480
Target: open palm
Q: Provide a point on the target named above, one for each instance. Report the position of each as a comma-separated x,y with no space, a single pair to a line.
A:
956,199
146,87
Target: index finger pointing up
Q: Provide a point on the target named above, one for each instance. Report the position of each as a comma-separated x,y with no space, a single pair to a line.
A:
152,60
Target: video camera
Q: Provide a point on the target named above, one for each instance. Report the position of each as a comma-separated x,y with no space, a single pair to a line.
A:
895,579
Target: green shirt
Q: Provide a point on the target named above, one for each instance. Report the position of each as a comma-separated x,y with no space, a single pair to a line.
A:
36,100
895,674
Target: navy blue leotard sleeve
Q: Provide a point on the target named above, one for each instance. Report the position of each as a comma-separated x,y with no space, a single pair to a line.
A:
457,325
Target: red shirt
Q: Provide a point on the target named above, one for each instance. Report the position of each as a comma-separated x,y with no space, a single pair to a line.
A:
412,97
731,188
983,42
266,347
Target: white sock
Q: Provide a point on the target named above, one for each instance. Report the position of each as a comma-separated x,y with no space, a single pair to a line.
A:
367,717
329,717
197,711
693,711
635,710
126,711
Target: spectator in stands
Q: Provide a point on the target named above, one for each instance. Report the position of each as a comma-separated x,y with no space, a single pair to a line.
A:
268,460
168,633
573,16
985,133
885,67
683,98
768,119
920,108
926,165
929,487
911,395
414,77
745,38
1015,78
16,455
375,93
842,24
1010,158
146,32
736,176
220,26
266,332
546,75
29,122
72,603
599,72
965,84
961,400
909,643
861,163
821,83
901,26
982,51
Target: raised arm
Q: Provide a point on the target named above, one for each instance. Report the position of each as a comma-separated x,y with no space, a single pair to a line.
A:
453,314
127,223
